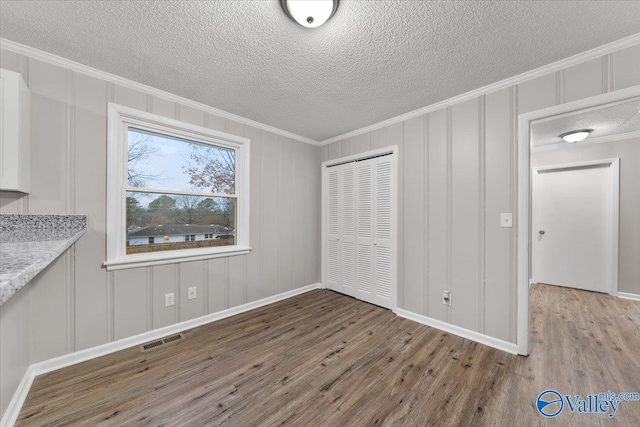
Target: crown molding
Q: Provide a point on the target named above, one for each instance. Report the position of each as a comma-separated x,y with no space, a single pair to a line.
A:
520,78
121,81
511,81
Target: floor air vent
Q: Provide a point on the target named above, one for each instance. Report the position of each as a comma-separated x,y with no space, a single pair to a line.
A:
154,344
150,345
172,338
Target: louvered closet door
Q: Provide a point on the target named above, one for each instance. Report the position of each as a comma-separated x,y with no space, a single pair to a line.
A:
360,239
364,230
384,269
333,269
347,236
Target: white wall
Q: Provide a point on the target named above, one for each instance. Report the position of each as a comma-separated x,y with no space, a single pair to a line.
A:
458,170
629,236
75,304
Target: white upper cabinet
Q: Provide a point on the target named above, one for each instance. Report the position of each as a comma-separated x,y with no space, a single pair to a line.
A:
15,142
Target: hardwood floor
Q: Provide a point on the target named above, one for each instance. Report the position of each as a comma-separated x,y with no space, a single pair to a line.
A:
324,359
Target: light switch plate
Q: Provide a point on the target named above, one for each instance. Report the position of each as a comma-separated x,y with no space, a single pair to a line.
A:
506,220
191,293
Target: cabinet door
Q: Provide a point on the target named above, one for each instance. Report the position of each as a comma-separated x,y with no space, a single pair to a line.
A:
15,112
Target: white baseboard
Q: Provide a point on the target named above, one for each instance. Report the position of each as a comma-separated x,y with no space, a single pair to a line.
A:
11,414
13,410
627,295
457,330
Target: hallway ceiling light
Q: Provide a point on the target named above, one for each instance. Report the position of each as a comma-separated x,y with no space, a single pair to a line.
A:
576,135
310,13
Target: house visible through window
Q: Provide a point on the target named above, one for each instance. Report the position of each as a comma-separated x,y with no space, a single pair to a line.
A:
181,189
168,180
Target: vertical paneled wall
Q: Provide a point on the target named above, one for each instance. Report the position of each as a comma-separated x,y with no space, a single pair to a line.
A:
75,304
457,174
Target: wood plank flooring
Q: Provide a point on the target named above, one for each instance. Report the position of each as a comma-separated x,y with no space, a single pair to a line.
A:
324,359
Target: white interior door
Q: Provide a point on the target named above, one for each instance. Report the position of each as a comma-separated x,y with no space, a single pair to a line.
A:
333,266
384,233
573,226
365,231
347,228
360,242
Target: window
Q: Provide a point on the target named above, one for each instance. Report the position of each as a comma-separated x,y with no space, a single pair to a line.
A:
172,186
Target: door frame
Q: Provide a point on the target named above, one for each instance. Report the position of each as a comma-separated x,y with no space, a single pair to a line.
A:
614,205
523,218
390,150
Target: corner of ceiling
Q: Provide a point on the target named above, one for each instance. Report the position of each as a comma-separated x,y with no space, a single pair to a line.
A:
594,53
59,61
558,65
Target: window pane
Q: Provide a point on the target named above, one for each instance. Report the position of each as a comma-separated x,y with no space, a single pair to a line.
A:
163,162
161,222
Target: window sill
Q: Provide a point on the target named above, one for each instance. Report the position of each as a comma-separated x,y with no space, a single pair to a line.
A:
172,257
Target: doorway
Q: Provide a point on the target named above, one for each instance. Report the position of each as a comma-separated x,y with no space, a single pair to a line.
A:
600,109
575,225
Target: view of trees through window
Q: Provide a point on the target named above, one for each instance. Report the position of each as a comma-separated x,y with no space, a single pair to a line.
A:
167,200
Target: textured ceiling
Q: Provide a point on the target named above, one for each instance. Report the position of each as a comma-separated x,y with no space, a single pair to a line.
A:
606,120
372,61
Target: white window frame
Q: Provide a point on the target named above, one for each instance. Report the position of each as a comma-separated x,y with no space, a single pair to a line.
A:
119,119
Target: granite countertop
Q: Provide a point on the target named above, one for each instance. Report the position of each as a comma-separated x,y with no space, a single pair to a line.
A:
29,243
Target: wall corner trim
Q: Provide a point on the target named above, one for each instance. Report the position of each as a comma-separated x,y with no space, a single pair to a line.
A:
112,78
461,332
629,296
13,410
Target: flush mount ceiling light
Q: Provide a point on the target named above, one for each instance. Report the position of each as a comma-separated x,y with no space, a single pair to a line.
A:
310,13
576,135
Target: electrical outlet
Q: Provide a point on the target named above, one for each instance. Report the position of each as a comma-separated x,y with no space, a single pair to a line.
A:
169,300
191,293
446,297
